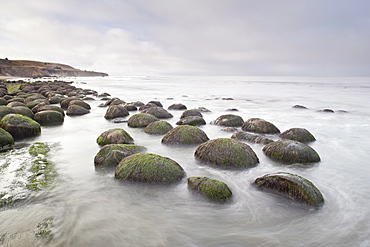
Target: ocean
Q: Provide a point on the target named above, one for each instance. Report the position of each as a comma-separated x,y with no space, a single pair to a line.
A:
91,208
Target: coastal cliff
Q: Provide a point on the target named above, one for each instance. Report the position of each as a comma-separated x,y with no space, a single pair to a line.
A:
26,68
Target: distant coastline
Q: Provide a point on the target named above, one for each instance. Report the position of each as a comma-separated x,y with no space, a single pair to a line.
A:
10,69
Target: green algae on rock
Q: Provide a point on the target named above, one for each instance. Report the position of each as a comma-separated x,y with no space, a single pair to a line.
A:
292,186
20,126
114,136
298,134
290,152
141,120
258,125
49,118
150,168
185,135
191,120
158,112
158,128
226,152
212,189
6,140
115,111
229,120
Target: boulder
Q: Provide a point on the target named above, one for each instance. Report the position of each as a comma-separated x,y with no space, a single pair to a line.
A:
158,112
192,112
6,139
244,136
141,120
227,153
24,110
49,118
20,126
5,110
115,111
177,107
229,120
55,99
64,103
150,168
288,151
298,134
212,189
76,110
185,135
3,101
130,107
291,186
260,126
158,128
15,103
80,102
52,108
147,106
157,103
115,136
191,120
110,155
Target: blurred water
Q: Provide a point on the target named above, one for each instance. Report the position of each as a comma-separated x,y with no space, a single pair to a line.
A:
94,209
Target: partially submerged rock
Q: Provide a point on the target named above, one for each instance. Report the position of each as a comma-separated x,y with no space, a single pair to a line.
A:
298,134
150,168
49,117
20,126
6,139
177,107
191,120
290,152
244,136
141,120
115,136
4,110
158,112
292,186
185,135
229,120
76,110
212,189
225,152
158,128
192,112
116,111
258,125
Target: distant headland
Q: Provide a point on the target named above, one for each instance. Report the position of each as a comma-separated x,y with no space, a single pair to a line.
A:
34,69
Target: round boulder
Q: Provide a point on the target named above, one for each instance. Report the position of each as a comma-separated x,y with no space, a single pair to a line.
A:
6,139
151,168
292,186
5,110
177,107
76,110
115,136
52,108
298,134
20,126
288,151
49,118
141,120
229,120
158,112
212,189
158,128
244,136
80,102
115,111
260,126
192,112
225,152
185,135
24,110
191,120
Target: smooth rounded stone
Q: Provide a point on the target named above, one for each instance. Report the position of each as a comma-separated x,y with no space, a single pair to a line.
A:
177,107
80,103
141,120
327,110
300,107
202,109
292,186
64,103
55,99
52,108
5,110
115,136
191,120
20,126
49,118
24,110
35,97
104,95
232,109
6,139
76,110
149,168
110,155
185,135
117,101
15,103
229,120
116,111
3,101
138,103
258,125
158,112
225,152
158,128
243,136
192,112
157,103
147,106
36,107
298,134
212,189
130,107
288,151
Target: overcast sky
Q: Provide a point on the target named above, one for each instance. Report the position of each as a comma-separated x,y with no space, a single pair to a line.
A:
192,37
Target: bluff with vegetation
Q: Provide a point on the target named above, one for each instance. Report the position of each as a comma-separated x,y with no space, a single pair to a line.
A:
26,68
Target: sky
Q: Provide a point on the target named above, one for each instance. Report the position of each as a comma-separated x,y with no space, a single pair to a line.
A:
192,37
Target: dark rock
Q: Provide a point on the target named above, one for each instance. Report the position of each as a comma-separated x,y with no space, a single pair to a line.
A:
52,108
24,110
243,136
229,120
130,107
327,110
191,120
49,118
116,111
141,120
232,109
15,103
115,136
191,112
20,126
158,112
6,140
299,107
298,134
147,106
185,135
177,107
64,103
158,128
229,129
260,126
157,103
212,189
76,110
5,110
80,103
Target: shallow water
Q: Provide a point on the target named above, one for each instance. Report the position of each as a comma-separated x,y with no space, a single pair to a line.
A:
93,209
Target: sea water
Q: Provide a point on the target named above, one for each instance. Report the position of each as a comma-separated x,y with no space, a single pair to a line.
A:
91,208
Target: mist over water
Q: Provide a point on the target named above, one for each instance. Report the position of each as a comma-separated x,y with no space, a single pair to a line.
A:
92,208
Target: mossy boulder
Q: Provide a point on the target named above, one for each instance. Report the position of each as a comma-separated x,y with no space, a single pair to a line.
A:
185,135
20,126
49,118
24,110
116,111
191,120
244,136
288,151
158,112
6,139
5,110
158,128
298,134
115,136
3,101
76,110
80,102
64,103
52,108
258,125
227,153
229,120
130,107
212,189
141,120
15,103
177,107
150,168
291,186
192,112
110,155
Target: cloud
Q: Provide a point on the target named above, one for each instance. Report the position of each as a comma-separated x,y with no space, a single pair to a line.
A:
191,37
